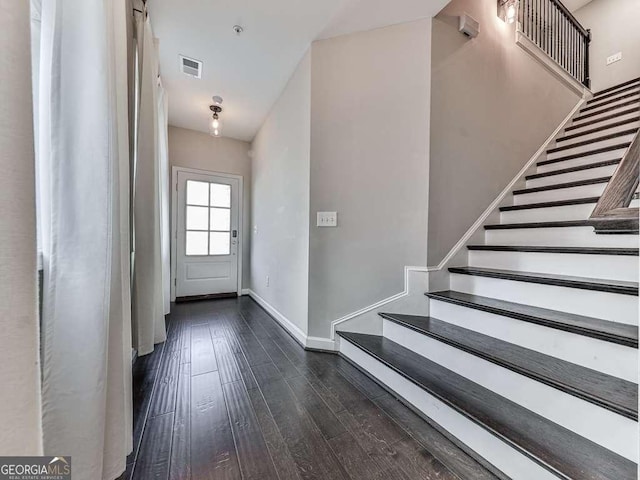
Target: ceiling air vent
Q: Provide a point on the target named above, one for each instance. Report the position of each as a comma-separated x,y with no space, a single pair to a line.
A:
191,66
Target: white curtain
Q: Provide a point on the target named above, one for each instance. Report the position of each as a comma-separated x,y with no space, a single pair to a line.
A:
148,301
163,158
83,162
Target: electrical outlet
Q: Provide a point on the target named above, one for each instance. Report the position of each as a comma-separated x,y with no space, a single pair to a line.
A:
266,282
616,57
327,219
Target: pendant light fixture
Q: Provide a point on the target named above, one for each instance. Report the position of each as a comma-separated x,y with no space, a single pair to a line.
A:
215,124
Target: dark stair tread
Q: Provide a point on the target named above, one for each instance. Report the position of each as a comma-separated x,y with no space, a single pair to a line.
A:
558,186
579,168
617,395
609,148
602,96
616,87
630,252
610,100
610,108
614,332
554,447
602,138
598,129
602,119
553,224
557,203
583,283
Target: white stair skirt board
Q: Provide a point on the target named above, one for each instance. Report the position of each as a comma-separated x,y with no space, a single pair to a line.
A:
599,121
504,457
548,214
608,267
603,113
606,357
572,300
572,176
590,146
606,428
570,193
599,133
586,160
559,236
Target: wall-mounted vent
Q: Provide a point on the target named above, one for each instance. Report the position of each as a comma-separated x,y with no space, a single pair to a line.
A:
191,66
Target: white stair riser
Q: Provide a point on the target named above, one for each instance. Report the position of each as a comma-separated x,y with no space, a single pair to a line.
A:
604,427
610,267
585,126
548,214
495,451
603,108
616,97
635,203
572,176
560,236
597,134
603,112
572,300
579,161
570,193
591,146
606,357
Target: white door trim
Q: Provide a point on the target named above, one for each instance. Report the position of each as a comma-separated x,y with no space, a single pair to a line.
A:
174,221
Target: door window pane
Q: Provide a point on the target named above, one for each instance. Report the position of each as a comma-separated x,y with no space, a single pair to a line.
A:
220,219
220,195
196,243
197,193
219,243
197,218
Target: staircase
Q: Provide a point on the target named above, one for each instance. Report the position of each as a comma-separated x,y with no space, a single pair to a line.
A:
530,359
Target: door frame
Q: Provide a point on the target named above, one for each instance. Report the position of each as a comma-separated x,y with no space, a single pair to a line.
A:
174,221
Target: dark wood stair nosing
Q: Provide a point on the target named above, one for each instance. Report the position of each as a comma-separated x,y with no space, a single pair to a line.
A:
545,379
557,203
603,119
620,288
578,168
606,110
624,252
610,148
613,93
615,87
610,100
627,469
539,319
597,129
610,136
560,186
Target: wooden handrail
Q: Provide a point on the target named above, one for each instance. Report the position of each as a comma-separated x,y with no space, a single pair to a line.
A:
612,213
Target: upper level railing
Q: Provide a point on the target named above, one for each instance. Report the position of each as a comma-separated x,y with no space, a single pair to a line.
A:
553,28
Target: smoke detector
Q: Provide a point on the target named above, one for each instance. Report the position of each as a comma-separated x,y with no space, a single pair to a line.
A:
190,66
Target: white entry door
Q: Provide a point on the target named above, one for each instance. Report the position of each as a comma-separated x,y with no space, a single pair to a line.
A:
208,236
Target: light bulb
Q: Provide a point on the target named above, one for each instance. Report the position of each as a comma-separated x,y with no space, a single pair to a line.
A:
215,127
511,13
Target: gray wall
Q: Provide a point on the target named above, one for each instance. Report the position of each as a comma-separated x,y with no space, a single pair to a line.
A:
492,106
280,201
615,27
369,162
191,149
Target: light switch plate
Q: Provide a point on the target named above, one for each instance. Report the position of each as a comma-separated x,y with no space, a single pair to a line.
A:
616,57
327,219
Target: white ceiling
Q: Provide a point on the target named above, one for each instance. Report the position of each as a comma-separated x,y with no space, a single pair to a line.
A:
573,5
249,71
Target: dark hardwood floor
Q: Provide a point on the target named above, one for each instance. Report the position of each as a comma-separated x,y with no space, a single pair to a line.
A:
230,395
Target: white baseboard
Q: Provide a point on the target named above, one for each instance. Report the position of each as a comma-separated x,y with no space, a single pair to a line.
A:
245,291
315,343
